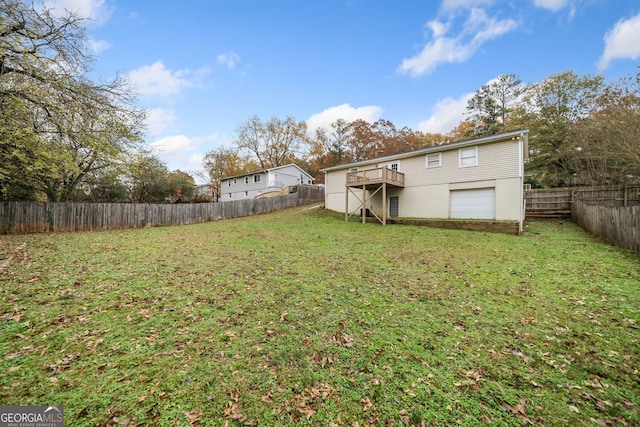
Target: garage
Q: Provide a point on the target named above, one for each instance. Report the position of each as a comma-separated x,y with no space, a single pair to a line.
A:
477,203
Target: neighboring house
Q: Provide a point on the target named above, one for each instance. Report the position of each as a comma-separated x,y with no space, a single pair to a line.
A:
250,185
206,192
480,178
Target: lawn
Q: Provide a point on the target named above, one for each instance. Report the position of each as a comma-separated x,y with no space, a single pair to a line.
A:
299,318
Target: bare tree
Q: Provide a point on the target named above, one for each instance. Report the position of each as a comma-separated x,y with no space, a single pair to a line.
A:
273,143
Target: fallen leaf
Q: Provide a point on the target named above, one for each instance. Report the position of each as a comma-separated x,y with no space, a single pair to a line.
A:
193,417
366,404
519,409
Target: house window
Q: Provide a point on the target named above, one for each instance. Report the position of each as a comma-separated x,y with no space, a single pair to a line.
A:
229,195
468,157
256,178
353,170
434,160
246,179
229,183
246,193
395,166
235,181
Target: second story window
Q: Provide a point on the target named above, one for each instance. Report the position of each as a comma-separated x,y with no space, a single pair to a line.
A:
246,179
434,160
468,157
256,178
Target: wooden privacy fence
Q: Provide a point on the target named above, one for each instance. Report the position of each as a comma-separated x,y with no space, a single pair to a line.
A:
559,201
619,226
37,217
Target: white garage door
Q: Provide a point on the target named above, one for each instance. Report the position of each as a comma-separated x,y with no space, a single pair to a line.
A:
478,203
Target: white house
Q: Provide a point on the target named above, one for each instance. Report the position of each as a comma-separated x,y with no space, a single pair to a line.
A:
480,178
252,184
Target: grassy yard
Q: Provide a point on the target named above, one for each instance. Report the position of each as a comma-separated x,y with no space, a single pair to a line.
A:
300,318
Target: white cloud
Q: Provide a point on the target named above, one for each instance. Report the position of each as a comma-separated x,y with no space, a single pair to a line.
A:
478,29
621,42
450,5
446,115
170,145
369,113
229,59
159,120
185,153
98,46
155,79
438,28
96,10
552,5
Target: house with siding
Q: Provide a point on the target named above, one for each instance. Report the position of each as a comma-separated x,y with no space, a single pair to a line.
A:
476,179
252,184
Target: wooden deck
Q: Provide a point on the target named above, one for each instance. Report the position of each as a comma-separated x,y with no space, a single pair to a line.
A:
371,181
372,178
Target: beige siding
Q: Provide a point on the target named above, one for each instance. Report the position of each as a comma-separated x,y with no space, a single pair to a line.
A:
495,161
508,206
427,190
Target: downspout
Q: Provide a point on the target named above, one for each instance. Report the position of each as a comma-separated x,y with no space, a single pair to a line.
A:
522,151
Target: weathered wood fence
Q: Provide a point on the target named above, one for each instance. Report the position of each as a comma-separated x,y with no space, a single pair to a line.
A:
610,212
619,225
559,201
38,217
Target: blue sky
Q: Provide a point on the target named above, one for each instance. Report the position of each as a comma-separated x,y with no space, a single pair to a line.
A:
202,68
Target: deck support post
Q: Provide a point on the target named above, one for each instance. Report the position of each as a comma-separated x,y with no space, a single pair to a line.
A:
363,209
346,205
384,204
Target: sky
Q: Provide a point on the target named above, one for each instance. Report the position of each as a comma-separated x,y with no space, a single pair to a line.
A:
202,68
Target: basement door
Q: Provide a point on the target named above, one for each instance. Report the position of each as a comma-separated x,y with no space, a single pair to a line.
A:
478,203
393,206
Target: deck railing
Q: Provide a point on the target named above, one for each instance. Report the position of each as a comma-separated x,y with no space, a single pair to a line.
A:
375,176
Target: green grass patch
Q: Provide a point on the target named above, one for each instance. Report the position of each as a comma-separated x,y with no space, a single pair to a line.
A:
298,317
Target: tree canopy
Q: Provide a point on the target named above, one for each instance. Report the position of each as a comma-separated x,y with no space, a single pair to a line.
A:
65,137
57,127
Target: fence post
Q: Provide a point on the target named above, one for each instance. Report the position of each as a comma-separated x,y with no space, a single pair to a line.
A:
625,195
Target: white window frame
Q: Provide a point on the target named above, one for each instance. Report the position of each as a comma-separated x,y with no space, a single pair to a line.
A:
256,178
392,164
228,183
246,179
431,157
353,170
235,181
464,157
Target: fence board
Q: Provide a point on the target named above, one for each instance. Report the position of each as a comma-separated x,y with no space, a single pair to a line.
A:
37,217
558,201
619,226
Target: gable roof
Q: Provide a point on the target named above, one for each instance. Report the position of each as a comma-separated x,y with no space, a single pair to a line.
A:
268,170
439,148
